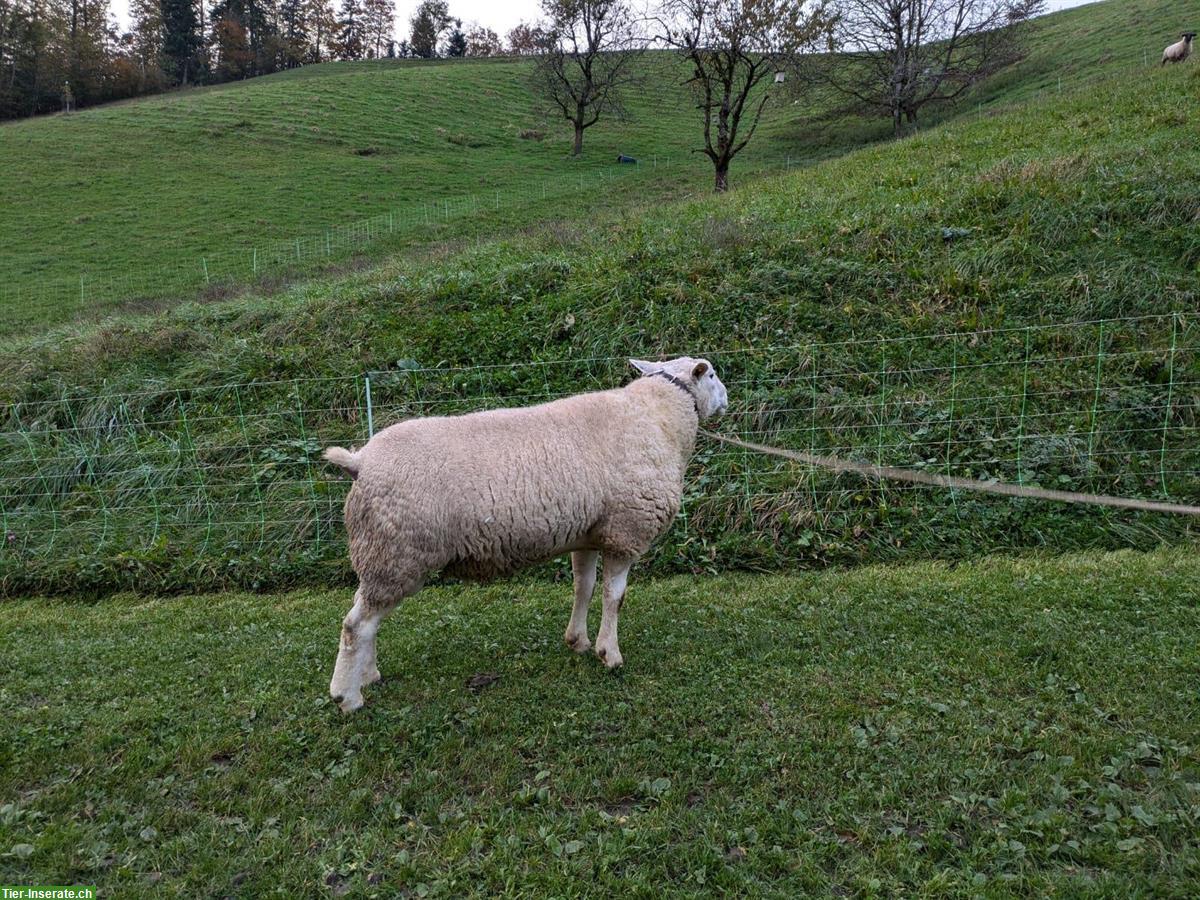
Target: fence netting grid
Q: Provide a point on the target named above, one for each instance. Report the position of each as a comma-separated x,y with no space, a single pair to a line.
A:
224,471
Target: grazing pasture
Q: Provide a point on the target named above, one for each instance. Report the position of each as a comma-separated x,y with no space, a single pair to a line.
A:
161,196
968,696
920,303
1002,727
197,192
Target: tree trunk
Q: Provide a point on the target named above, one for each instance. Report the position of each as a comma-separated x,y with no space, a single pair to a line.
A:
911,116
897,122
722,177
578,148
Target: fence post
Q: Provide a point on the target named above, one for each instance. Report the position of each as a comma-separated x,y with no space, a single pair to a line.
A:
370,412
81,297
1162,453
1096,399
204,262
1024,403
312,492
254,261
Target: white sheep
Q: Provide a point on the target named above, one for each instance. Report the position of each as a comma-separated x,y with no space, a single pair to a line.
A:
1180,50
485,494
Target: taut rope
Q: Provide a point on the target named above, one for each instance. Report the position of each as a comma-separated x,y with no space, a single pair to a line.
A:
913,476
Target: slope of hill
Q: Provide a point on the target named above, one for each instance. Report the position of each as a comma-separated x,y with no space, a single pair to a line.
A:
196,183
174,195
914,303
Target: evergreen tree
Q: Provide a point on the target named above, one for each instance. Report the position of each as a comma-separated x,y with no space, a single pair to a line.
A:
87,55
293,32
182,41
456,44
427,25
351,40
147,44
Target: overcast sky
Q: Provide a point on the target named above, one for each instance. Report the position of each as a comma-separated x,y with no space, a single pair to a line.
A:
498,16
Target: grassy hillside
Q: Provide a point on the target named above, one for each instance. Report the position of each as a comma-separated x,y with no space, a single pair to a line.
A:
849,307
993,729
198,183
181,194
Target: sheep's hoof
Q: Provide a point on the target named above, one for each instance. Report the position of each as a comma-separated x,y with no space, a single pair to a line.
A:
372,677
579,643
613,660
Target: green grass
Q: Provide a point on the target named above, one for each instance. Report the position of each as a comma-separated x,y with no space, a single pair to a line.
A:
160,196
1001,728
197,192
128,461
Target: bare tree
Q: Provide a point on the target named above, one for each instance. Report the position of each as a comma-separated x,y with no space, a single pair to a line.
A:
732,46
901,55
589,60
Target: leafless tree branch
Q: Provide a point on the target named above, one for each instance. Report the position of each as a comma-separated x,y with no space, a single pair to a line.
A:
898,56
588,63
732,47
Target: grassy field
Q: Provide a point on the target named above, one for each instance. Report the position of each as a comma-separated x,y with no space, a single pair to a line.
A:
1010,294
192,192
213,183
1006,727
181,451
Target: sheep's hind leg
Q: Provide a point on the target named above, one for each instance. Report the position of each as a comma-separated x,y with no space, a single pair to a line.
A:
583,566
356,664
616,574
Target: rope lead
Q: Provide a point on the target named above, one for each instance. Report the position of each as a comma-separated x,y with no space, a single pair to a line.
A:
891,473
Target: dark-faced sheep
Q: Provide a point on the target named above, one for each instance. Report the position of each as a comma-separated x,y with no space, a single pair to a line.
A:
1180,50
485,494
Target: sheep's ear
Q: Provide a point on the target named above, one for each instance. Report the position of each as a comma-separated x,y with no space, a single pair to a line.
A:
701,368
644,367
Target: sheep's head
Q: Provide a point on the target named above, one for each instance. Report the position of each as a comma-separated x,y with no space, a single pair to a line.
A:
697,376
1188,36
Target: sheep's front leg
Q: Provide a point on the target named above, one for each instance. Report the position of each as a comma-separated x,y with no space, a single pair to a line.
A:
583,566
616,573
371,672
356,654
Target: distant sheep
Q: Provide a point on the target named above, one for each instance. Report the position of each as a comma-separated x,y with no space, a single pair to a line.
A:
486,494
1180,50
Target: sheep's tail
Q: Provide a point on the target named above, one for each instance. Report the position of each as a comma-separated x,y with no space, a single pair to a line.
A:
349,461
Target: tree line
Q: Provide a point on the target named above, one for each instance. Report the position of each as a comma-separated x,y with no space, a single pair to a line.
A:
888,58
64,54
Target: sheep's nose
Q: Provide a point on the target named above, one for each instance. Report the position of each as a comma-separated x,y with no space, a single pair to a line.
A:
338,699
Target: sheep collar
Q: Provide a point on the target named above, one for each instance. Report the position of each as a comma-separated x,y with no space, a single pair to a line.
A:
679,383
